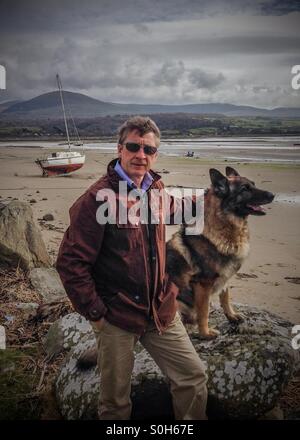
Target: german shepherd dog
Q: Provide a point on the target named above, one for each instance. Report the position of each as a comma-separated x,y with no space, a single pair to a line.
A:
201,265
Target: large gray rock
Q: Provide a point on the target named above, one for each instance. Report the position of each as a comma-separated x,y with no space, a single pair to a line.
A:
47,283
21,241
77,391
65,333
248,367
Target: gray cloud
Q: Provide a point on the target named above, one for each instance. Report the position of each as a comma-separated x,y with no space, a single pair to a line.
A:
205,80
69,14
152,51
279,7
142,28
169,74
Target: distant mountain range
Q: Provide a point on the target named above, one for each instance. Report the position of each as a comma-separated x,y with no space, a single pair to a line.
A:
48,106
7,104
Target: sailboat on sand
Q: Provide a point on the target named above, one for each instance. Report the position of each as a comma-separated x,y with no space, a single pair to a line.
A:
63,162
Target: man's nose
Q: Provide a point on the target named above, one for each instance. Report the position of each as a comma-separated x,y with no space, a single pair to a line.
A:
140,153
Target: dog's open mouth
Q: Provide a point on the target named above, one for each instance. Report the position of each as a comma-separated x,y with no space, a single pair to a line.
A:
257,209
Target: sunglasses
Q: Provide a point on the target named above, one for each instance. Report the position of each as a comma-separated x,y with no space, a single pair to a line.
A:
134,148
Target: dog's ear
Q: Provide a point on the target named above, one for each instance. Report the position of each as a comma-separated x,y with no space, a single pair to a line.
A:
231,172
219,182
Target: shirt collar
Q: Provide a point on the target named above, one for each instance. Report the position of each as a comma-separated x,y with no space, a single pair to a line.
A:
146,183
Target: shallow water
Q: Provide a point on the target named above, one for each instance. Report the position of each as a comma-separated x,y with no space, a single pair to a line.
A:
287,198
277,149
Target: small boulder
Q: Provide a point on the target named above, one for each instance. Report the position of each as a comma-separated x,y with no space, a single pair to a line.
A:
47,283
28,307
21,242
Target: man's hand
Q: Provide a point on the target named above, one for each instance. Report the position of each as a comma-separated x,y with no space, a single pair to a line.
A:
98,324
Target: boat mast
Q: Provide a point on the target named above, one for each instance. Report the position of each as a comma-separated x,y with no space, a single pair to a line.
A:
63,107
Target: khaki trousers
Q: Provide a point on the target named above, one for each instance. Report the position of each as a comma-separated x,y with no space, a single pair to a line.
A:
174,354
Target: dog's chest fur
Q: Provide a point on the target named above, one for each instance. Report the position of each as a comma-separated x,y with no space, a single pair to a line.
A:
212,257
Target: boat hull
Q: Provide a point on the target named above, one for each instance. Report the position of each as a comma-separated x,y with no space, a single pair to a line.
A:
60,166
60,170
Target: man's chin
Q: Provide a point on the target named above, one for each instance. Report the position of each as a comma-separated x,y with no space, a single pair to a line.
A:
137,170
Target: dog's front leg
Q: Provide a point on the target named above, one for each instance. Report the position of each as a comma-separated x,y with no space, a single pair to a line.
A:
202,296
229,311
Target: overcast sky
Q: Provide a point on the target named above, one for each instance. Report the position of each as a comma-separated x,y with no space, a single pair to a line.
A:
153,51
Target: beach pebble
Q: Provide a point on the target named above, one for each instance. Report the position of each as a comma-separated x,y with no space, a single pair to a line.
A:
31,306
9,318
48,217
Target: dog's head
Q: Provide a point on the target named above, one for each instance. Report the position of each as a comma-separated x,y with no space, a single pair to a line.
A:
239,195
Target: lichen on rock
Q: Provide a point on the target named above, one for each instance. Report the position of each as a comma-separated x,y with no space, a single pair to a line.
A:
248,367
65,333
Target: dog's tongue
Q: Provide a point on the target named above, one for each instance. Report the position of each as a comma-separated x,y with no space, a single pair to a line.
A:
256,207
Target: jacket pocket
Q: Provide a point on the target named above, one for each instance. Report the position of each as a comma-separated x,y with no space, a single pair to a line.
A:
130,302
167,307
169,289
126,236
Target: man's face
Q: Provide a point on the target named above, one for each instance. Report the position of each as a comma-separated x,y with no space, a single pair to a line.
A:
137,164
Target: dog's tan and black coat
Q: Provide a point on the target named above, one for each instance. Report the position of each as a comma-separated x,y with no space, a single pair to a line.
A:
201,265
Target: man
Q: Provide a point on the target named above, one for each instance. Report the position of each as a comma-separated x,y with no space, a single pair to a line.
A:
115,276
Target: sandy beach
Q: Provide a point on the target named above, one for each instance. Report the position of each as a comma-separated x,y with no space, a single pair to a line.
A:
270,277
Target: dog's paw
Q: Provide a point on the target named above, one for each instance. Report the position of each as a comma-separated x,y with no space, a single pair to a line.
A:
210,333
235,317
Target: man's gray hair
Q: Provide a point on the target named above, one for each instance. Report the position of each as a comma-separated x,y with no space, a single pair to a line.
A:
140,123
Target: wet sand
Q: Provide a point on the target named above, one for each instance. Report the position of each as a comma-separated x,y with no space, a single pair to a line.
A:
271,275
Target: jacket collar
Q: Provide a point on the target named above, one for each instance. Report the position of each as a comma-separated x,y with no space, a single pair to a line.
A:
114,177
